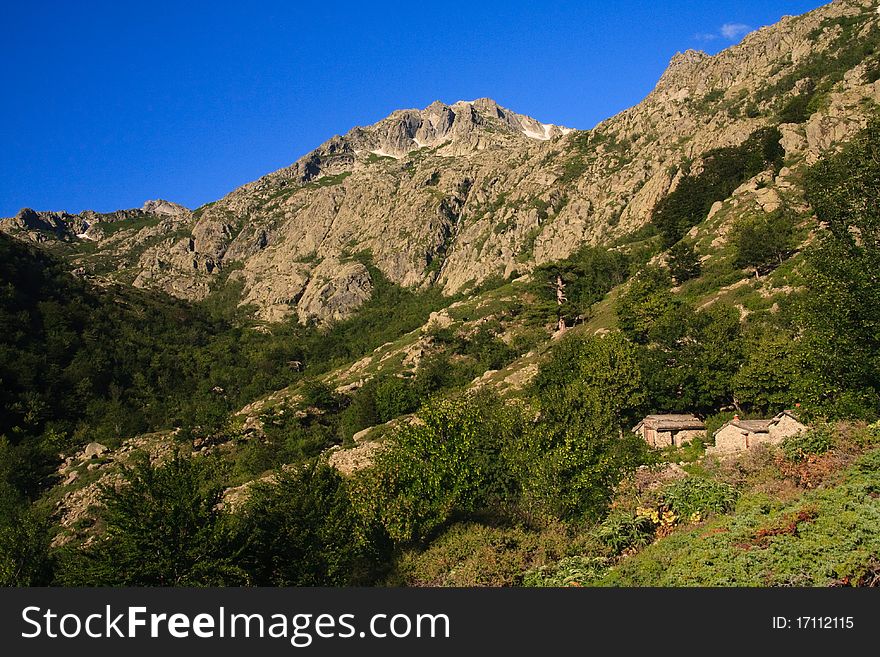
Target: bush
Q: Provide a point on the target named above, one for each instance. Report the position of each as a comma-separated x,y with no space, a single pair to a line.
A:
645,300
302,531
815,441
764,240
163,528
569,571
684,263
621,531
696,495
317,394
449,463
474,554
589,392
394,397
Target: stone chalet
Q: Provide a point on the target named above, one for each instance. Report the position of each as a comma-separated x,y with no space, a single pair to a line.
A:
665,430
738,435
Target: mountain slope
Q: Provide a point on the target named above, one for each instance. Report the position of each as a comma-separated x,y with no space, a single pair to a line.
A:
455,194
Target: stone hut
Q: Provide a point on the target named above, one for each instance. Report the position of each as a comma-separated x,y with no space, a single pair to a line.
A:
738,435
666,430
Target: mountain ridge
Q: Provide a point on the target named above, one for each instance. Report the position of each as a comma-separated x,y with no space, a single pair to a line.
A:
452,195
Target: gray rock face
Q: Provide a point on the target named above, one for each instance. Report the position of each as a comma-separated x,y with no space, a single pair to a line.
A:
334,291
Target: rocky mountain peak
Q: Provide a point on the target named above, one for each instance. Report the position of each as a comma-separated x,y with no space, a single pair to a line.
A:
463,125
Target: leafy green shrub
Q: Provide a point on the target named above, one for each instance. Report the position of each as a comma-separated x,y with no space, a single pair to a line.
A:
475,554
697,495
589,391
163,528
302,531
691,451
684,263
646,299
451,462
814,441
622,530
568,571
317,394
394,397
764,240
764,382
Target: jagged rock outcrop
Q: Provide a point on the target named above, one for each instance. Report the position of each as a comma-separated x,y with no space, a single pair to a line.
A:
334,290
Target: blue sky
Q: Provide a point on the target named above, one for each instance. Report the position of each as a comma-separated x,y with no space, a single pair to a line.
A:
107,104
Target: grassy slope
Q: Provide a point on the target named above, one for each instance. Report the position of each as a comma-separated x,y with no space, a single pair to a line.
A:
820,537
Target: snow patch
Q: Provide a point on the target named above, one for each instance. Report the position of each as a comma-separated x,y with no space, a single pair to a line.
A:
541,136
545,133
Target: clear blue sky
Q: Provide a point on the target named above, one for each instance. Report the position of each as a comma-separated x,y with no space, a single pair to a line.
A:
107,104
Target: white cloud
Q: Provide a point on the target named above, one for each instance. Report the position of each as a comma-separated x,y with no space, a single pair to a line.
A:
734,31
729,31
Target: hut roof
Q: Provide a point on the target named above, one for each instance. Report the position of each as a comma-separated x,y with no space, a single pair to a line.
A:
671,422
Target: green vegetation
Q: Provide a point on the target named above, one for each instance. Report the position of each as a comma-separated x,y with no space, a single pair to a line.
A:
812,443
840,313
724,169
698,496
147,220
163,528
826,537
24,532
301,530
645,300
328,181
373,158
449,464
589,393
82,364
586,276
764,241
684,263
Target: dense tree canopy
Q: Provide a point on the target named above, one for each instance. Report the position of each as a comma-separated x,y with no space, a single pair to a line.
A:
841,314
